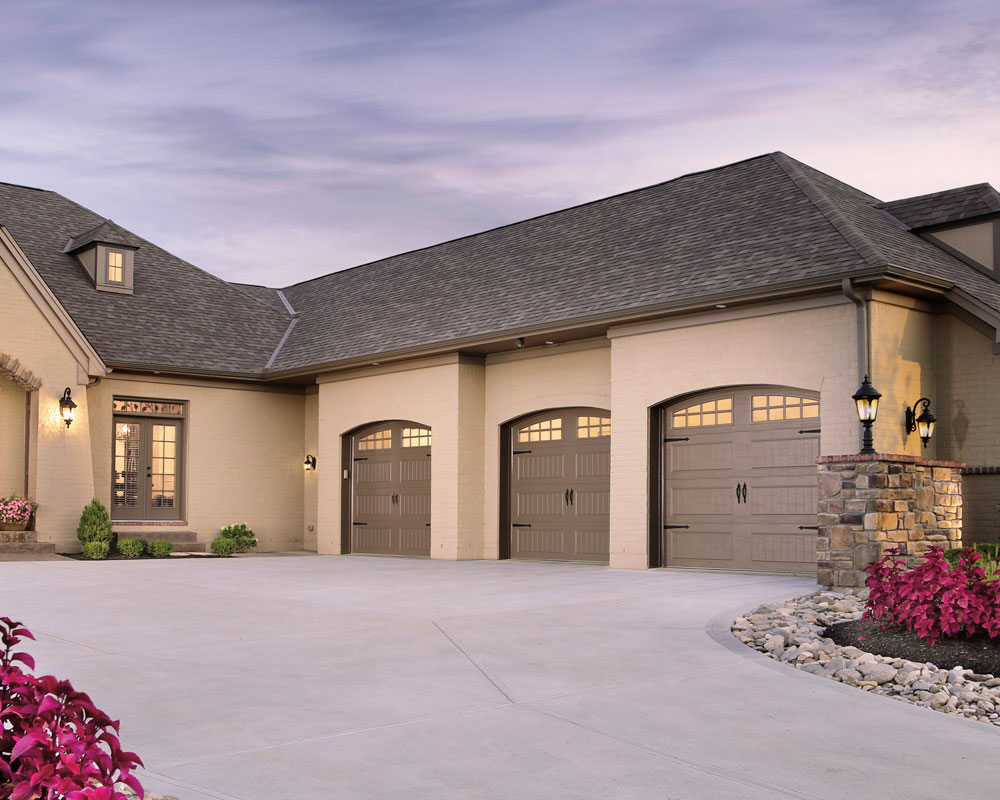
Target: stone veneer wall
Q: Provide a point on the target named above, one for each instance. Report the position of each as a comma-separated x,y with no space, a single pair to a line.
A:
870,503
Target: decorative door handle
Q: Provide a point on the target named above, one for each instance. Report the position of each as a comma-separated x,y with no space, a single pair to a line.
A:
572,497
744,492
737,492
566,497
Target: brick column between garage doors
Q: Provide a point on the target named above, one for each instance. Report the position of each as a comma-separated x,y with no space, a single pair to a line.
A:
869,503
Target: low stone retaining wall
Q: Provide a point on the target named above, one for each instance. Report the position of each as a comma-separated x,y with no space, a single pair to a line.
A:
792,632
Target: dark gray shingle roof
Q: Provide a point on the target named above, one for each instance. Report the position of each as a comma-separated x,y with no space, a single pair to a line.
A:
179,316
952,205
757,224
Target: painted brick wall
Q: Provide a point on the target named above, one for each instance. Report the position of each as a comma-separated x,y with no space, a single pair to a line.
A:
61,474
814,349
310,485
243,455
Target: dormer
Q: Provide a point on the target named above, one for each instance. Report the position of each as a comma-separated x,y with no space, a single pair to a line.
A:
964,222
107,253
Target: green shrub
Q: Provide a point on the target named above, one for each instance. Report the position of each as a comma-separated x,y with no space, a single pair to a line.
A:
132,548
953,556
160,548
223,546
95,523
241,535
95,551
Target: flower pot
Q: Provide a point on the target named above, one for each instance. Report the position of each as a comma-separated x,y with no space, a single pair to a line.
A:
14,526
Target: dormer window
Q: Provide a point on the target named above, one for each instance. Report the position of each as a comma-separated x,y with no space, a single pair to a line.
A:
107,253
116,261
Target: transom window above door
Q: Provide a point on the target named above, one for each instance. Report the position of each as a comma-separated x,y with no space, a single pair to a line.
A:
377,440
776,407
711,412
592,427
121,405
547,430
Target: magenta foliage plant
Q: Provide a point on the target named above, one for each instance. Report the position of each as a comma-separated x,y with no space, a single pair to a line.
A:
934,599
55,744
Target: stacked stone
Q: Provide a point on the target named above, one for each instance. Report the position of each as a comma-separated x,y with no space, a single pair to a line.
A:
11,369
870,503
792,633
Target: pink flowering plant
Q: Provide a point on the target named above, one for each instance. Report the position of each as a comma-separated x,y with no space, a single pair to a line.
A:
934,599
55,744
16,509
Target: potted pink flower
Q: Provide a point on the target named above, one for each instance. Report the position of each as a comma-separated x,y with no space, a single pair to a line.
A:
15,512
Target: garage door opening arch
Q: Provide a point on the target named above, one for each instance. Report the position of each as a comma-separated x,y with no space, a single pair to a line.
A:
555,482
733,479
386,496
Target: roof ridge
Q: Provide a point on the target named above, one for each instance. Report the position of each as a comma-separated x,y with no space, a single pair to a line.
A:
236,285
515,223
847,229
989,195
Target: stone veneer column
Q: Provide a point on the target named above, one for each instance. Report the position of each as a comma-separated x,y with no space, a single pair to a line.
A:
870,503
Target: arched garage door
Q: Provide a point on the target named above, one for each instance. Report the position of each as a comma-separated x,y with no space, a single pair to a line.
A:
557,479
739,480
389,493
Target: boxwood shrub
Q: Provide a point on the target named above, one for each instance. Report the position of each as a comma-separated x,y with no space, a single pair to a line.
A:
95,551
132,548
224,546
160,548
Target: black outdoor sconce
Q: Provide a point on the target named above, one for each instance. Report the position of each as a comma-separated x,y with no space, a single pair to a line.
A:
309,463
866,399
924,424
67,408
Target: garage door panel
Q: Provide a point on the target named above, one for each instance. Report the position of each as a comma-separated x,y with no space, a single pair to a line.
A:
372,540
591,504
701,545
593,465
783,452
539,542
690,457
782,500
415,541
367,472
783,548
540,504
415,469
414,505
534,467
697,501
372,505
593,544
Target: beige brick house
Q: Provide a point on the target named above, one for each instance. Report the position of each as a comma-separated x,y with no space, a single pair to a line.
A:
643,380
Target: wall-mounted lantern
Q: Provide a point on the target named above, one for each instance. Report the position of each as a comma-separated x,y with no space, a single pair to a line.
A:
924,424
67,408
309,463
866,399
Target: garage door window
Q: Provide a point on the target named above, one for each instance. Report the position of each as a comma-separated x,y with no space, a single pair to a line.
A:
777,407
379,440
416,437
592,427
548,430
711,412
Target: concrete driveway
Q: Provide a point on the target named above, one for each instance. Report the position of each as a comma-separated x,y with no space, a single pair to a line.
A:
356,677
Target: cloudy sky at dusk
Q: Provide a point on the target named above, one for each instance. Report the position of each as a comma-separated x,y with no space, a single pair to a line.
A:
270,142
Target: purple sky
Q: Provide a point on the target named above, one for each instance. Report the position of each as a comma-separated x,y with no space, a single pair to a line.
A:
270,142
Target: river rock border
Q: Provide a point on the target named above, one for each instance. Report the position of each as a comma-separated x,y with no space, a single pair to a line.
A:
792,633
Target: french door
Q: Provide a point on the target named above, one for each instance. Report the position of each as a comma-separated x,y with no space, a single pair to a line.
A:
146,468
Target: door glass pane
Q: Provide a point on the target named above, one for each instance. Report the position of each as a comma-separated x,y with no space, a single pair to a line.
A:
125,491
164,467
548,430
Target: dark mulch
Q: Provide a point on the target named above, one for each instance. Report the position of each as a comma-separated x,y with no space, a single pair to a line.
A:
120,557
980,653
